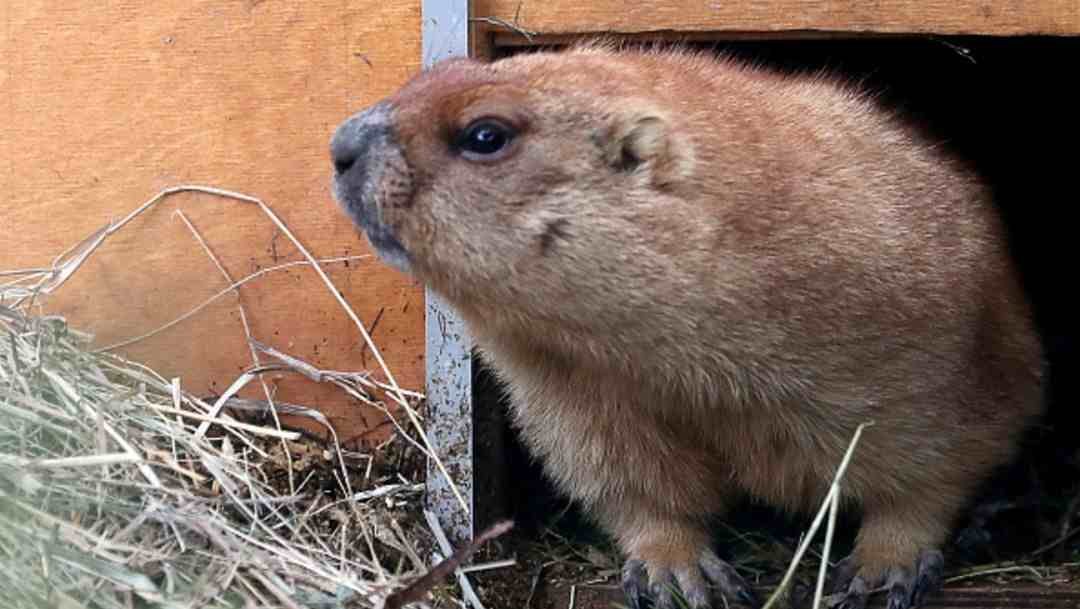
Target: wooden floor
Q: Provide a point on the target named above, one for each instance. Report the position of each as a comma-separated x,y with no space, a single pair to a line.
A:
1026,596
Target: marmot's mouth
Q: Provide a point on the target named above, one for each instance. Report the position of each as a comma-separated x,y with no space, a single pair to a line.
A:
359,149
388,248
365,215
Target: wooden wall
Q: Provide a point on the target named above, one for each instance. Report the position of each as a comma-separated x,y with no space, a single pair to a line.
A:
686,17
104,104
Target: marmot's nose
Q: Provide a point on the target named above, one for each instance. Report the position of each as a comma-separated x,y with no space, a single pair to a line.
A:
353,139
344,157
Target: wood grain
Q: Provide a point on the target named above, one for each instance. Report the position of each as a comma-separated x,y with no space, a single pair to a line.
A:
991,17
104,107
1012,596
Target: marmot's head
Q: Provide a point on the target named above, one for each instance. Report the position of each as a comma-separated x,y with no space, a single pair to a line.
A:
537,174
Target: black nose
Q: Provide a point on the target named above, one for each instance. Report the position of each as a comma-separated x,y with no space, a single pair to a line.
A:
344,159
353,140
346,150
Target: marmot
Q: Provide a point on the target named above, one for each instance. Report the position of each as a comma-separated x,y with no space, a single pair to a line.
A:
696,278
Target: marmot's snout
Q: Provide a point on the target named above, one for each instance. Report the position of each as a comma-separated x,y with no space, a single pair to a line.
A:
361,149
353,140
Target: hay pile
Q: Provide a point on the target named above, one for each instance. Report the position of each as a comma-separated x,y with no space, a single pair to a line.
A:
112,494
120,489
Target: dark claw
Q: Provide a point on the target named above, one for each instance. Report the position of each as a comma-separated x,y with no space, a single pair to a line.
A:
663,591
855,597
899,597
725,577
842,574
695,593
907,591
635,583
930,573
900,582
689,586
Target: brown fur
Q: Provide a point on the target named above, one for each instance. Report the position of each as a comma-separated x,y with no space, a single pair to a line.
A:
786,262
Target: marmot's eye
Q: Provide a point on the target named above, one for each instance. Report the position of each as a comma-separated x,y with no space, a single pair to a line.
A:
484,139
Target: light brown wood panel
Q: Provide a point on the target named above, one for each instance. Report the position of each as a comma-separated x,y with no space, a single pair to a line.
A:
994,17
105,104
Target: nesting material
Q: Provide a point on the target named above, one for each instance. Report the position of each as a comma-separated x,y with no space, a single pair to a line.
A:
119,488
109,493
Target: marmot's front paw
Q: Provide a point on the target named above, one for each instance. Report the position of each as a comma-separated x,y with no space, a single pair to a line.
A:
710,583
907,587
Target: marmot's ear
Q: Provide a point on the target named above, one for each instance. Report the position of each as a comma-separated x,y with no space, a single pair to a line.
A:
645,140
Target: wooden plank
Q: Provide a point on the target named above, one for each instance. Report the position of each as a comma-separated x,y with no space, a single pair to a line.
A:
1016,596
5,103
952,17
104,107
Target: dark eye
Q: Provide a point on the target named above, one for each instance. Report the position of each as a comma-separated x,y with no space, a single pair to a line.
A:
484,139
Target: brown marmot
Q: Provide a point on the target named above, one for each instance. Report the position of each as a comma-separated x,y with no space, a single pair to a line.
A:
696,279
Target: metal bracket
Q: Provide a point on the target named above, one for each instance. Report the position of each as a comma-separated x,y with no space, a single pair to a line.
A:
450,423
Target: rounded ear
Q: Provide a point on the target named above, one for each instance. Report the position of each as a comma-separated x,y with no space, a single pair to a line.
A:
646,141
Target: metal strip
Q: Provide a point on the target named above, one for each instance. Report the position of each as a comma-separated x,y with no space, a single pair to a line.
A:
450,424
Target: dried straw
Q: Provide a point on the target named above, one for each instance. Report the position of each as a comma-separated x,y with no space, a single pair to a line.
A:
120,489
108,494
